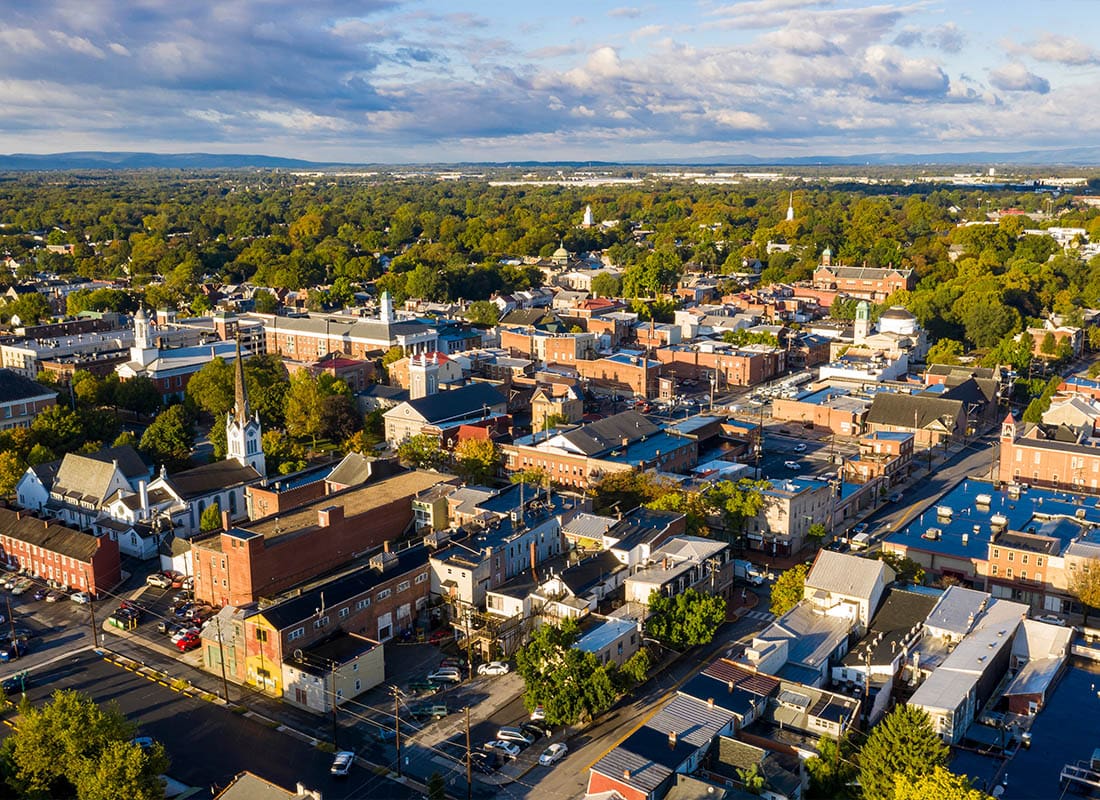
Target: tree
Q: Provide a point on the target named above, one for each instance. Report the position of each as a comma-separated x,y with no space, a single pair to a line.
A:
906,569
939,783
832,770
477,460
751,779
625,491
736,503
606,285
211,518
482,312
72,747
636,668
303,407
788,589
139,395
11,470
1049,345
421,451
532,476
58,428
816,533
569,684
690,504
945,351
1084,584
395,353
903,744
212,388
168,440
685,620
437,787
40,454
29,309
339,417
265,302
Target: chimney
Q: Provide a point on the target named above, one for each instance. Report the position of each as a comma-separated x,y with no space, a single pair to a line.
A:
227,520
672,740
330,515
710,702
46,524
386,546
626,774
143,492
18,515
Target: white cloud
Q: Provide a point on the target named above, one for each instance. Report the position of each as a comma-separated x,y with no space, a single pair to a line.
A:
78,44
625,12
800,42
1015,77
20,40
118,49
1057,49
740,120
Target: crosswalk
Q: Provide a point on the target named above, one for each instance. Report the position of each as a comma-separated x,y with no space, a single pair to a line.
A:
763,616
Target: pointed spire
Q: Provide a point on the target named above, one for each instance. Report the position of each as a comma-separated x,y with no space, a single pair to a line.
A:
240,407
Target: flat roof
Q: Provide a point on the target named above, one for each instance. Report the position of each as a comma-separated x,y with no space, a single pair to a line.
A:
605,633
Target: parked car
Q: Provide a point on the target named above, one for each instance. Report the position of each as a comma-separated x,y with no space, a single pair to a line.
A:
510,733
12,649
859,527
536,730
189,641
168,628
341,764
792,465
800,447
83,598
553,754
20,632
1051,619
507,748
538,714
426,710
446,675
494,668
16,683
22,586
158,580
40,593
54,595
441,636
457,663
182,632
896,497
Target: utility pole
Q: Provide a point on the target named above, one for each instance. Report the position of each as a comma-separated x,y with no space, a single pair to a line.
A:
11,620
469,760
221,657
91,611
469,649
335,735
397,725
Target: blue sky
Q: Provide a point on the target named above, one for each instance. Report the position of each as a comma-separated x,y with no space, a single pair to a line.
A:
386,80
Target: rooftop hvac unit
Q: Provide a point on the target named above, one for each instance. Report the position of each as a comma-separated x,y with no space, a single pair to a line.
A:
1080,513
984,500
945,512
998,520
932,534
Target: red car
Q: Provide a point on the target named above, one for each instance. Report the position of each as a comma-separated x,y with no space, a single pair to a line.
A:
189,642
441,636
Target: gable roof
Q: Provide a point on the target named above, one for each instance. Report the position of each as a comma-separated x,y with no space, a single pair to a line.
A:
208,478
48,535
14,387
851,576
82,477
902,410
354,469
129,461
605,434
457,403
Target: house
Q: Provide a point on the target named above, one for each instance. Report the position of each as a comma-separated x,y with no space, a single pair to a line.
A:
76,488
675,740
22,400
882,456
731,758
437,411
1052,457
333,671
870,283
931,420
1039,655
247,786
682,563
561,403
265,557
58,553
800,646
791,506
847,586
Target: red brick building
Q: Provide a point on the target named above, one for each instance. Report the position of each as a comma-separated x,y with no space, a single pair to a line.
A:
1033,455
870,283
240,565
736,366
621,373
52,551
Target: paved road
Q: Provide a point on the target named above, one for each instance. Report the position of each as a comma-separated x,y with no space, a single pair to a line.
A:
208,745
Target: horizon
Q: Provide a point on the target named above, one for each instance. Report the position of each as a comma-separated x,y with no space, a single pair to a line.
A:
394,82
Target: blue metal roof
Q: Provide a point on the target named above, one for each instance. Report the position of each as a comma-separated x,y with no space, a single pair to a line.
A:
604,634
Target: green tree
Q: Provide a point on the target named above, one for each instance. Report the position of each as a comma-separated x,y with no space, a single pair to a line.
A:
1084,584
817,533
482,312
752,779
59,428
625,491
1049,345
606,285
167,441
11,470
29,309
265,302
736,503
906,569
283,455
690,504
477,460
211,519
139,395
569,684
395,353
421,451
532,476
904,744
40,454
212,388
70,747
940,784
788,589
636,668
437,787
945,351
685,620
832,771
304,407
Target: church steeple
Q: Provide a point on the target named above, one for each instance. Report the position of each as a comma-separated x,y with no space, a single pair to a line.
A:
243,435
790,208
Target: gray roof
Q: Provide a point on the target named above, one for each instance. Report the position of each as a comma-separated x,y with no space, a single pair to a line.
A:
129,461
590,526
811,637
851,576
14,387
957,609
208,478
247,786
902,410
605,434
457,403
84,478
353,470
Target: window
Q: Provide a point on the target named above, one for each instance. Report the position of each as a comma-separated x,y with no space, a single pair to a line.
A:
1038,561
402,586
422,577
1010,555
993,569
296,634
322,622
361,604
1023,574
1023,558
261,635
382,595
1009,573
344,612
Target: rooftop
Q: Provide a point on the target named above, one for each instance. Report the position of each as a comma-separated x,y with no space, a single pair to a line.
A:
604,634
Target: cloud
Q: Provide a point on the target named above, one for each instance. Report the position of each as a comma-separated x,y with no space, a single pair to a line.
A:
625,12
893,76
1015,77
740,120
1056,49
800,42
946,37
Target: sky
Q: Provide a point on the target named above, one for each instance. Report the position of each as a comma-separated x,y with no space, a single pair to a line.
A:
508,80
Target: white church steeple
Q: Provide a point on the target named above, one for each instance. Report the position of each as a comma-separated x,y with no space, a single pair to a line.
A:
144,351
790,208
243,436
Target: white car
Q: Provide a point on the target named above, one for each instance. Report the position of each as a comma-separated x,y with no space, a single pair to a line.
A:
1051,619
342,763
792,465
83,598
446,675
182,632
800,448
538,715
553,754
494,668
507,748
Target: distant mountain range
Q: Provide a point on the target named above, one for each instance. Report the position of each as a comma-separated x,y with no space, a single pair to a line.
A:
1068,156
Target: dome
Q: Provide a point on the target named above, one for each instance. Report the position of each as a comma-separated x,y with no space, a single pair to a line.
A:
561,252
897,312
828,251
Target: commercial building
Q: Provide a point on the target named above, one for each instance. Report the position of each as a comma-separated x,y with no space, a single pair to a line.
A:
22,400
57,553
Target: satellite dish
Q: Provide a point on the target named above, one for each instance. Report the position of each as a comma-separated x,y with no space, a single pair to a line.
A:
298,655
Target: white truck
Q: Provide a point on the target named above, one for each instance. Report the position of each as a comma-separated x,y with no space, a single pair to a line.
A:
748,571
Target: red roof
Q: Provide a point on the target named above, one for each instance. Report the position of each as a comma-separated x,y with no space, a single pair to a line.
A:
472,432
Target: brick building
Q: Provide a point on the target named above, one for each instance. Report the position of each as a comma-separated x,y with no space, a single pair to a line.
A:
54,552
621,373
870,283
836,410
735,366
881,455
262,559
21,400
1050,457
